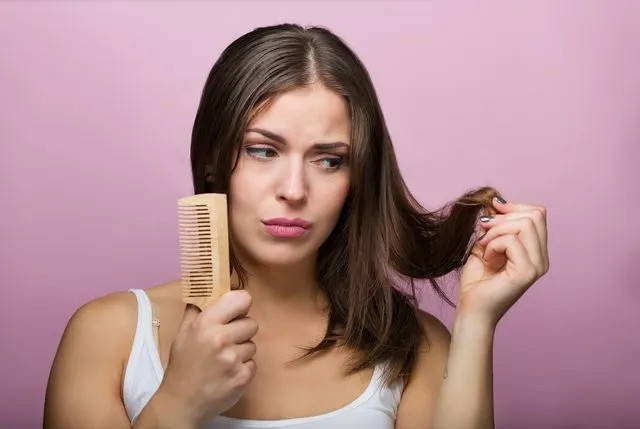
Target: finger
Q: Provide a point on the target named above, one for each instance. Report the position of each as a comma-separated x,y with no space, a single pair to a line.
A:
231,305
536,216
246,350
511,206
241,330
251,367
539,215
191,313
518,264
526,232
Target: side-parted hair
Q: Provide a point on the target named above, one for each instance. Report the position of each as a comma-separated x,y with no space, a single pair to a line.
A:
382,231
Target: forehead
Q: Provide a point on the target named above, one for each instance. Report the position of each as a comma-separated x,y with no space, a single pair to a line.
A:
305,113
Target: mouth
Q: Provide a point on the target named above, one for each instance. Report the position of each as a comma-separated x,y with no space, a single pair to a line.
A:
281,221
286,231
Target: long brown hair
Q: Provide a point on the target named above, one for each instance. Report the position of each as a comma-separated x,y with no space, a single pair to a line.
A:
382,230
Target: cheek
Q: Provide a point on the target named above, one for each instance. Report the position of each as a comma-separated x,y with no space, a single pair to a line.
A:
333,198
243,183
243,196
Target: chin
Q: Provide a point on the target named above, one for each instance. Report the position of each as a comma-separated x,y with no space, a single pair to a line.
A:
281,253
265,249
282,257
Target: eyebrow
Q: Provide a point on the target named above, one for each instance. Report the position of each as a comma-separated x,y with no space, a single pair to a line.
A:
280,139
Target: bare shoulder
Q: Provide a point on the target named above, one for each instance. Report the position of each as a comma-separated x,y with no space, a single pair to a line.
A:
436,331
83,389
418,400
113,314
112,319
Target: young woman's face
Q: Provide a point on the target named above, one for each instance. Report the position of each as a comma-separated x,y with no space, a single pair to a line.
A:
290,178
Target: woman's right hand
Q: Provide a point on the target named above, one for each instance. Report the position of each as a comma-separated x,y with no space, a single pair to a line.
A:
211,359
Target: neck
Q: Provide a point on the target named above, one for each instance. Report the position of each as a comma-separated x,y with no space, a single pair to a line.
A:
284,289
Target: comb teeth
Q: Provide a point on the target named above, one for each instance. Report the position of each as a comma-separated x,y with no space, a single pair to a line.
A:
204,248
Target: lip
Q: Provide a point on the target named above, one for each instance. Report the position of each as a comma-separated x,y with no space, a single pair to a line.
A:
286,231
286,222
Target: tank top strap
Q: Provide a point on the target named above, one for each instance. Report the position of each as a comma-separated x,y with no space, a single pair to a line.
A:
144,309
144,330
378,373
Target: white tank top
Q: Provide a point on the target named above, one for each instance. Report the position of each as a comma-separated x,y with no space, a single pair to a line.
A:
375,408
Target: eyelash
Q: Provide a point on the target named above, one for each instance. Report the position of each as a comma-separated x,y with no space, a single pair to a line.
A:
335,168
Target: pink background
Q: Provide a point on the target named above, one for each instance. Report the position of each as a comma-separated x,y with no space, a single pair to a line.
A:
540,99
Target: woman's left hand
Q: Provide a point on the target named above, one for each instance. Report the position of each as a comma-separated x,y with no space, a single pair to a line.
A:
505,262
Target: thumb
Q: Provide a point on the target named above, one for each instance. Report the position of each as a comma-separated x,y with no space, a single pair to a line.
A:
191,312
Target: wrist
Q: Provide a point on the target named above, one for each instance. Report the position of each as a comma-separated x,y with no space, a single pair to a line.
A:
176,410
478,322
164,411
467,315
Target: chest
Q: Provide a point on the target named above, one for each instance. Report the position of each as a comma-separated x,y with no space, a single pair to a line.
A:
305,388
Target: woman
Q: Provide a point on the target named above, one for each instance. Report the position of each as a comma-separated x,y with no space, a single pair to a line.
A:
289,126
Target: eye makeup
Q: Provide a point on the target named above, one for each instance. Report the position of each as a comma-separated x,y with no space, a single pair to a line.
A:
253,151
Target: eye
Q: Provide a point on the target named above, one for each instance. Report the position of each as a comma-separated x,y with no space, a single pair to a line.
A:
339,161
252,150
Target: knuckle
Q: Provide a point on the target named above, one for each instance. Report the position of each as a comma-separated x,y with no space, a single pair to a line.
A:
246,372
532,272
229,358
510,238
215,343
529,223
193,324
220,340
248,297
254,325
199,325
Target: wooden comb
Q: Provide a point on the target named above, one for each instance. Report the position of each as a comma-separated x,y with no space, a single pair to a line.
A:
204,248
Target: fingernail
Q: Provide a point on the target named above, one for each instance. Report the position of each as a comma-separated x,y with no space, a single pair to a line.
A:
485,218
500,199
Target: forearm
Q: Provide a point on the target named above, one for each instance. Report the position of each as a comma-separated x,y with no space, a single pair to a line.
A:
161,413
466,395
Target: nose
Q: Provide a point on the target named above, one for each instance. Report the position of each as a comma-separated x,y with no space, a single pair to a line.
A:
293,187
